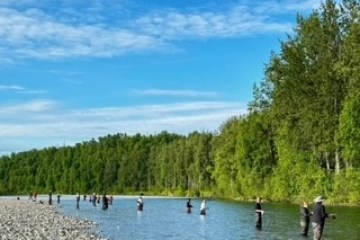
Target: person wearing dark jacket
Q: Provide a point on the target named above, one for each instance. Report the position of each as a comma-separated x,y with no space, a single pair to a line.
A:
140,203
105,202
189,206
93,199
77,201
319,216
304,218
50,198
258,214
58,198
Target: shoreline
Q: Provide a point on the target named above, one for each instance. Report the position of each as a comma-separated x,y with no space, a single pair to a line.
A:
23,219
45,197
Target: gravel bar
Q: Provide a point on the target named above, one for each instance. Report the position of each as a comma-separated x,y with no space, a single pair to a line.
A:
31,220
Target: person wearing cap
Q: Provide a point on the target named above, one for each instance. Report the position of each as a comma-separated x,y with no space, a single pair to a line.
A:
319,216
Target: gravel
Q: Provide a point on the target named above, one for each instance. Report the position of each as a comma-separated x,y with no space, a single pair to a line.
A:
31,220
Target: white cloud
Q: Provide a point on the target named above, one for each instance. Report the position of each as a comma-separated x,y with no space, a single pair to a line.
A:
175,93
41,34
48,125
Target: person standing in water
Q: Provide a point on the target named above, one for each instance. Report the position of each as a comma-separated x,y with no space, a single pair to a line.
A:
93,199
50,198
98,199
189,206
203,208
58,198
105,202
258,213
304,218
111,199
140,203
319,216
77,201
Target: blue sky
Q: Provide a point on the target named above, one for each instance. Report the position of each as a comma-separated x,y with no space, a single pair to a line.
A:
73,70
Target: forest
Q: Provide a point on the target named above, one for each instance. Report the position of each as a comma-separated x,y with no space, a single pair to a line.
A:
299,139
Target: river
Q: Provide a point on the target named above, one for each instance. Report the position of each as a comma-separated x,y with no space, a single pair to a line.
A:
166,218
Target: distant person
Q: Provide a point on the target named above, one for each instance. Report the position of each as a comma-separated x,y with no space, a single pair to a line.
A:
77,201
58,198
105,202
111,200
319,216
258,213
189,206
203,208
140,203
98,199
84,198
50,198
94,199
304,218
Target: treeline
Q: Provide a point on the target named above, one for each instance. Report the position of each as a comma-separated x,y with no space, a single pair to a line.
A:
300,138
162,164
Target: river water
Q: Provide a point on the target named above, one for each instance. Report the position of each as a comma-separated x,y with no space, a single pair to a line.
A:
166,218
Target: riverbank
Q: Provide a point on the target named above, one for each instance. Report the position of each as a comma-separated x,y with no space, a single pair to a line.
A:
22,219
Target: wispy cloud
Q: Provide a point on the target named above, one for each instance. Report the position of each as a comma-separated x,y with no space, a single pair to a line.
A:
36,35
237,22
20,110
16,2
42,34
174,93
11,88
19,89
45,120
279,7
